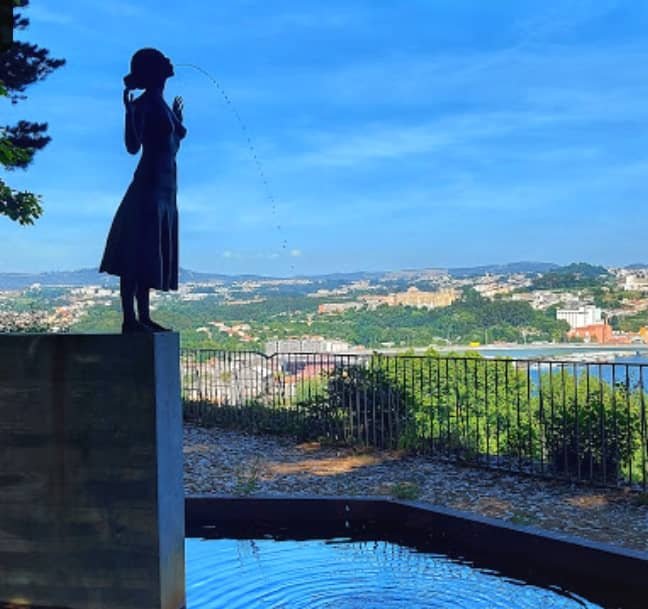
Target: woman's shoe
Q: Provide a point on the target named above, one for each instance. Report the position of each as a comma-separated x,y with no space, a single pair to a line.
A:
135,327
154,327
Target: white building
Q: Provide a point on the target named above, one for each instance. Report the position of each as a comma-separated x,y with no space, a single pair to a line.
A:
579,316
636,282
311,344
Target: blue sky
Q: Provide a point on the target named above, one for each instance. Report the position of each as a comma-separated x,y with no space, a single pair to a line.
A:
393,135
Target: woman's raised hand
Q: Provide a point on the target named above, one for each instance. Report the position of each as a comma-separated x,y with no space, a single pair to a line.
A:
178,105
129,98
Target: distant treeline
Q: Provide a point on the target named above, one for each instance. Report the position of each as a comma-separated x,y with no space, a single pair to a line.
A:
472,318
578,275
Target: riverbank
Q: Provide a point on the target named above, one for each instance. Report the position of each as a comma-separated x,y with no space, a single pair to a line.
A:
230,462
535,350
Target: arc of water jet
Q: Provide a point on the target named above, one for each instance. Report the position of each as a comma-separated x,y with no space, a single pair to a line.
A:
248,139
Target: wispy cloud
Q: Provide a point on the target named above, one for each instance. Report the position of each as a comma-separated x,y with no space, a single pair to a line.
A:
250,255
317,18
557,19
37,13
390,142
120,8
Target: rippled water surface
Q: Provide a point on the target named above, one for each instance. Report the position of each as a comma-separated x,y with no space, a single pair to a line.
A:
341,574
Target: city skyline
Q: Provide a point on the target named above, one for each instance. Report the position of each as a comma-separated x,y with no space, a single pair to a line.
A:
439,136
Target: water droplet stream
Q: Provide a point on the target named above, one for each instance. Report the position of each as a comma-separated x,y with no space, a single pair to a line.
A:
250,146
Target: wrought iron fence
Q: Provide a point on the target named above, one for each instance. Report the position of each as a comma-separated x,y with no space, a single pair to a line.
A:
583,421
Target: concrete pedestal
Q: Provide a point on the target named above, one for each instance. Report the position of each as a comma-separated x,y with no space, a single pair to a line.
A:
91,496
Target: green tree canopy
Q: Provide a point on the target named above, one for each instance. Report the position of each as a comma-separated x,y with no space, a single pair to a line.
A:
577,275
21,65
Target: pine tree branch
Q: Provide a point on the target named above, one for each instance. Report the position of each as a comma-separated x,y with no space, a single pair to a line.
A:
27,138
22,207
21,65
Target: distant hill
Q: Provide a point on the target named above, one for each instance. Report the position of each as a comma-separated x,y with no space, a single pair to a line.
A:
351,276
83,277
573,276
503,269
582,269
188,276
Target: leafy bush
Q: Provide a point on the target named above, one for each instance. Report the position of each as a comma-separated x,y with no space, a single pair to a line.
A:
359,404
595,428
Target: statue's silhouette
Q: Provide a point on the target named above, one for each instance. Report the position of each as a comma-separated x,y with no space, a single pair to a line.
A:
142,245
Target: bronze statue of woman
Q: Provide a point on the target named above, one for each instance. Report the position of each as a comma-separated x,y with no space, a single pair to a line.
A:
142,245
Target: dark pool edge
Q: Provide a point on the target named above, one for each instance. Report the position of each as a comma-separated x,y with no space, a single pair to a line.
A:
604,573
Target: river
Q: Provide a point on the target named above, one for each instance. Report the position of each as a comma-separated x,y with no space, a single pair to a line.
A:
635,354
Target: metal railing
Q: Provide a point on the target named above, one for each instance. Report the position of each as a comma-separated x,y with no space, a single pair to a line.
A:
582,421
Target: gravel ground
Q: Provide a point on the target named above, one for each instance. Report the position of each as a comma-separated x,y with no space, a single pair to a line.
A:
231,462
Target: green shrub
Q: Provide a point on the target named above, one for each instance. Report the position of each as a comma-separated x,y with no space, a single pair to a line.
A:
593,431
405,490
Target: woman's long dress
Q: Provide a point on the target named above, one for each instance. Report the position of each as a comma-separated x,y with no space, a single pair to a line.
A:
143,240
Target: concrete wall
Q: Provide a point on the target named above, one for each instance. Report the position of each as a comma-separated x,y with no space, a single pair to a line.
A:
91,508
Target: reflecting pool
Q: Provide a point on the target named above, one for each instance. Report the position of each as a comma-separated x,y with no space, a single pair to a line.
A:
345,574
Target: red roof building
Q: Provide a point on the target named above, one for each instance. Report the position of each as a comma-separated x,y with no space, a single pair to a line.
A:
595,333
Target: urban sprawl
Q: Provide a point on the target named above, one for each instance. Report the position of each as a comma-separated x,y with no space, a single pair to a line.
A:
598,305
